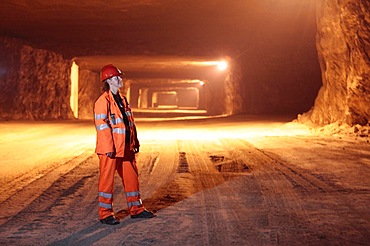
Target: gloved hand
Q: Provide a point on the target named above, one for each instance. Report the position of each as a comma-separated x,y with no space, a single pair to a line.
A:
136,149
110,154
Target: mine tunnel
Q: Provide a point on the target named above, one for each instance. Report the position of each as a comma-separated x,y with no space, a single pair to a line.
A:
242,110
305,58
165,86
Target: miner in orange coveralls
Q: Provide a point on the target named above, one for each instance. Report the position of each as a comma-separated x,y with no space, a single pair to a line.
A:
116,146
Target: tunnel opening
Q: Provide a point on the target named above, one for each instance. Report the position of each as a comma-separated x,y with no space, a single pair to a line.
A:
165,86
185,94
165,99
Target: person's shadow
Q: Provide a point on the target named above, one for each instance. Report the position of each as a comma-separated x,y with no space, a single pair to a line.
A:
167,195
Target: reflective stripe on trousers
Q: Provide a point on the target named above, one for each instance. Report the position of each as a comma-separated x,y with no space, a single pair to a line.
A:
105,205
127,170
105,201
133,195
137,203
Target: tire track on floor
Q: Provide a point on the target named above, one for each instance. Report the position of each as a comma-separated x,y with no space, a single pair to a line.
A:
286,185
218,206
26,194
159,184
284,210
53,206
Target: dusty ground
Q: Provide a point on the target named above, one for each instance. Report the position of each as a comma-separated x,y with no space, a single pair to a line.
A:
227,181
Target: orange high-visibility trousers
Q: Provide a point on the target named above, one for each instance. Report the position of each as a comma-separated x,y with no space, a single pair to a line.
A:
127,170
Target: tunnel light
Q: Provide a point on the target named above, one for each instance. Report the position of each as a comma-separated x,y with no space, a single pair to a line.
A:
222,65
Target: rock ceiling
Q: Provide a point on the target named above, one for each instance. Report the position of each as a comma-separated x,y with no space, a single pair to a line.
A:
163,30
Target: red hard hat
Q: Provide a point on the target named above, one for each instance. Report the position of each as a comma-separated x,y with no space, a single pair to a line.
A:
108,72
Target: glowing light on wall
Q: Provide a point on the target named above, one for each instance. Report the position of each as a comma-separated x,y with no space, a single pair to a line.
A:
74,90
222,65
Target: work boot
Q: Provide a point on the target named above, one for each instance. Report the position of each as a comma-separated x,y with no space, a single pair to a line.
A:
143,215
110,220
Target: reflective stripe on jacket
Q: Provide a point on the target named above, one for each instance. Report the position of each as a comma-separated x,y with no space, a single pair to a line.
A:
110,126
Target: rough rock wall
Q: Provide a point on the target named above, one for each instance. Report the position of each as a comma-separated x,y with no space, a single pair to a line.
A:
343,44
9,77
38,83
44,85
89,89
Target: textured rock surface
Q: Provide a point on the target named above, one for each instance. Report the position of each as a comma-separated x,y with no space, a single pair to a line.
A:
89,89
9,77
343,43
36,82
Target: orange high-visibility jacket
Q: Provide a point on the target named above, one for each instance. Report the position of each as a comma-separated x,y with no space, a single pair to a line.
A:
110,126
